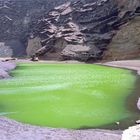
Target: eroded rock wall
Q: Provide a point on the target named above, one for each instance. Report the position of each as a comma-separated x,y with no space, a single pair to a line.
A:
126,43
78,29
18,18
87,27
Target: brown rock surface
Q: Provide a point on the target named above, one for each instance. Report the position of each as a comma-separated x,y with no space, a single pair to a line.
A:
90,23
87,23
33,45
126,43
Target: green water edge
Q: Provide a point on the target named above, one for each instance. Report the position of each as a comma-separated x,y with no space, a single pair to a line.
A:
67,95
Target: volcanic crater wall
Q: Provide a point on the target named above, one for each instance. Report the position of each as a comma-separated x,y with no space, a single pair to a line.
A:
78,29
17,19
86,28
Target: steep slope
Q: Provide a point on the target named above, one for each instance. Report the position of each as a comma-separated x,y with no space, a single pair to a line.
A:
78,29
16,20
126,43
82,30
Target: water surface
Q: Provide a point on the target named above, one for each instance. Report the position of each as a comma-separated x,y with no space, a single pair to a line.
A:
66,95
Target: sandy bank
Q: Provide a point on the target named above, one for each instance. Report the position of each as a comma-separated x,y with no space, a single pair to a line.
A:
130,64
132,133
12,130
50,61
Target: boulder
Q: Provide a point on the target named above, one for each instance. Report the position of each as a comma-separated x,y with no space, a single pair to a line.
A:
138,104
79,52
3,74
138,122
132,133
5,67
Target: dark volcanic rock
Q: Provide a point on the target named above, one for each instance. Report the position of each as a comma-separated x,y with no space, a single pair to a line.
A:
17,19
75,24
88,24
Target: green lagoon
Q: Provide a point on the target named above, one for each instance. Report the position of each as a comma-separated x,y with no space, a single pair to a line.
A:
66,95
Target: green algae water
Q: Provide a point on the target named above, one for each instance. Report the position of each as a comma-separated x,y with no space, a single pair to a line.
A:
66,95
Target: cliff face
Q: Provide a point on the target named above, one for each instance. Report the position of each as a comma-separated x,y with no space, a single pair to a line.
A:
126,43
78,29
17,18
85,28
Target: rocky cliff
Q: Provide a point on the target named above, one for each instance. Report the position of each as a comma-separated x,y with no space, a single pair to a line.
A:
17,18
126,42
78,29
84,30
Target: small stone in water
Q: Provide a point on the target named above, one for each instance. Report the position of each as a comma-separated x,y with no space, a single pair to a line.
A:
138,122
117,123
138,104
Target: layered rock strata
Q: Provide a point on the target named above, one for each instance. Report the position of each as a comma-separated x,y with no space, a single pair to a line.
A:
85,28
78,29
17,19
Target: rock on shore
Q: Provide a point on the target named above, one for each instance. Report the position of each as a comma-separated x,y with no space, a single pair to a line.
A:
5,67
133,133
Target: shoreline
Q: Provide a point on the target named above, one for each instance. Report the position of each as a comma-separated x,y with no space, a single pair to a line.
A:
127,64
13,130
